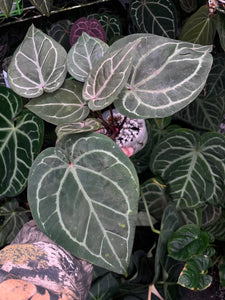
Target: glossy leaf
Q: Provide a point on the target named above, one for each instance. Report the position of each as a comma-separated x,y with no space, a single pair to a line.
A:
188,5
27,72
204,113
158,88
21,134
108,77
14,217
5,6
194,275
221,30
44,6
155,196
89,124
154,16
65,105
192,167
187,242
200,28
83,55
70,196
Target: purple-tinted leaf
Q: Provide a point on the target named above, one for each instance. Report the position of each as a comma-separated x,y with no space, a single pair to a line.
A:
92,27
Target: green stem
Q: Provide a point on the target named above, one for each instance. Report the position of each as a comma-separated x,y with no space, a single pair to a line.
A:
148,214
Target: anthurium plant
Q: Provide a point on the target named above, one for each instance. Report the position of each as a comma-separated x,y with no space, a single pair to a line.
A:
85,193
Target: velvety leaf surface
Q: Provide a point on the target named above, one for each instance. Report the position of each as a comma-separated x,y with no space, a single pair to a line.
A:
191,166
65,105
187,242
108,77
158,88
14,217
59,31
194,275
154,16
92,27
83,55
204,113
169,224
90,124
155,196
44,6
21,134
221,30
200,28
5,6
188,5
84,195
27,72
218,228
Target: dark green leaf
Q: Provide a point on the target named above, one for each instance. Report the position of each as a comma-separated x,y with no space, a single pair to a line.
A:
187,242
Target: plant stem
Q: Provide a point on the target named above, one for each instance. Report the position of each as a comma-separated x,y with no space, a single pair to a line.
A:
148,214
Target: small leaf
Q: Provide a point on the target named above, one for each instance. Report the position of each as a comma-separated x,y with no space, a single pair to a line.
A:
221,30
187,242
14,219
193,275
27,72
89,124
59,31
154,16
108,77
188,5
6,6
65,105
84,194
155,196
192,167
83,55
21,135
200,28
111,25
153,89
44,6
92,27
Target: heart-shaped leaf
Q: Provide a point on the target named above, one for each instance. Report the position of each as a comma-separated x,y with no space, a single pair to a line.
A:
84,54
194,274
204,113
187,242
111,25
21,134
27,72
158,88
155,196
14,217
200,28
65,105
188,5
84,194
192,167
92,27
89,124
154,16
44,6
59,31
108,77
5,6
